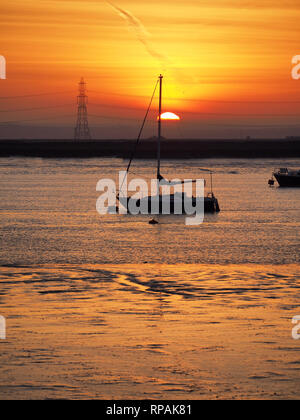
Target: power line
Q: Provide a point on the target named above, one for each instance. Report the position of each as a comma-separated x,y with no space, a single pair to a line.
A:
36,119
220,101
202,100
82,111
220,124
63,116
36,108
216,114
36,94
115,106
104,117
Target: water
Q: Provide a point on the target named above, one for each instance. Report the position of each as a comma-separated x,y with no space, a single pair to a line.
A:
112,307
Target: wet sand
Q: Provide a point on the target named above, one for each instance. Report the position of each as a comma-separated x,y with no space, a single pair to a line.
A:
150,331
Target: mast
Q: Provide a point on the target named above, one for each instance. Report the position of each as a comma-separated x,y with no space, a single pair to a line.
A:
159,126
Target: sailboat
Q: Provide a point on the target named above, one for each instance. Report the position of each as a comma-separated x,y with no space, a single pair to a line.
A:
211,204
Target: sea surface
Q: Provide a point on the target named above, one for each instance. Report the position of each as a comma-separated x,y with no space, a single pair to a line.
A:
111,307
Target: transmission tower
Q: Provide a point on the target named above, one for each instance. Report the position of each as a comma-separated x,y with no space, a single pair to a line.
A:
82,131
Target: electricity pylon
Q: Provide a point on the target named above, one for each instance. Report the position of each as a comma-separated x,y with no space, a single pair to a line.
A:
82,131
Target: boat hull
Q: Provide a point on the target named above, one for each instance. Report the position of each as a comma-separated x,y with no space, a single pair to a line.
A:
287,180
211,205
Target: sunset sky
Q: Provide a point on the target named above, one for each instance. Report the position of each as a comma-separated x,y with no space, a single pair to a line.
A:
227,66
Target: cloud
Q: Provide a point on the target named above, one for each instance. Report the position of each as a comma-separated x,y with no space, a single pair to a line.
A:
140,31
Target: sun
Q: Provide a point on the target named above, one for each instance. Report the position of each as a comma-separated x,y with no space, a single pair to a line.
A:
169,116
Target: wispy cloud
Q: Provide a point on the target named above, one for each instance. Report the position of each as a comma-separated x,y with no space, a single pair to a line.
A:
140,31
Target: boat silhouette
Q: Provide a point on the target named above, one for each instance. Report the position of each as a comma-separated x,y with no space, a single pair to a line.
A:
171,201
287,178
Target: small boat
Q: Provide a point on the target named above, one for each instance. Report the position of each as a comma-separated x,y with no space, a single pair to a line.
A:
153,222
211,204
271,182
287,178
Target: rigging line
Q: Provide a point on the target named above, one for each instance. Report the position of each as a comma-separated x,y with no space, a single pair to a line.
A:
139,136
181,136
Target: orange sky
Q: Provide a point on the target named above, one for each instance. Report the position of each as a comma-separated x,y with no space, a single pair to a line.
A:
227,64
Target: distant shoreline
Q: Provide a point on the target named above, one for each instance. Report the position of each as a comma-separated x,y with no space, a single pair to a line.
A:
170,149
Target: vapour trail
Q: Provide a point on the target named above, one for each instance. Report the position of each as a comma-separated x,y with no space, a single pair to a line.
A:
140,31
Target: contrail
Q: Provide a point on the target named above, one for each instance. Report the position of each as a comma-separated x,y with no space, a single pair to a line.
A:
141,32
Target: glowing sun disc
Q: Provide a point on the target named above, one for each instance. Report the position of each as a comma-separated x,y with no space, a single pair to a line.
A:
169,116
